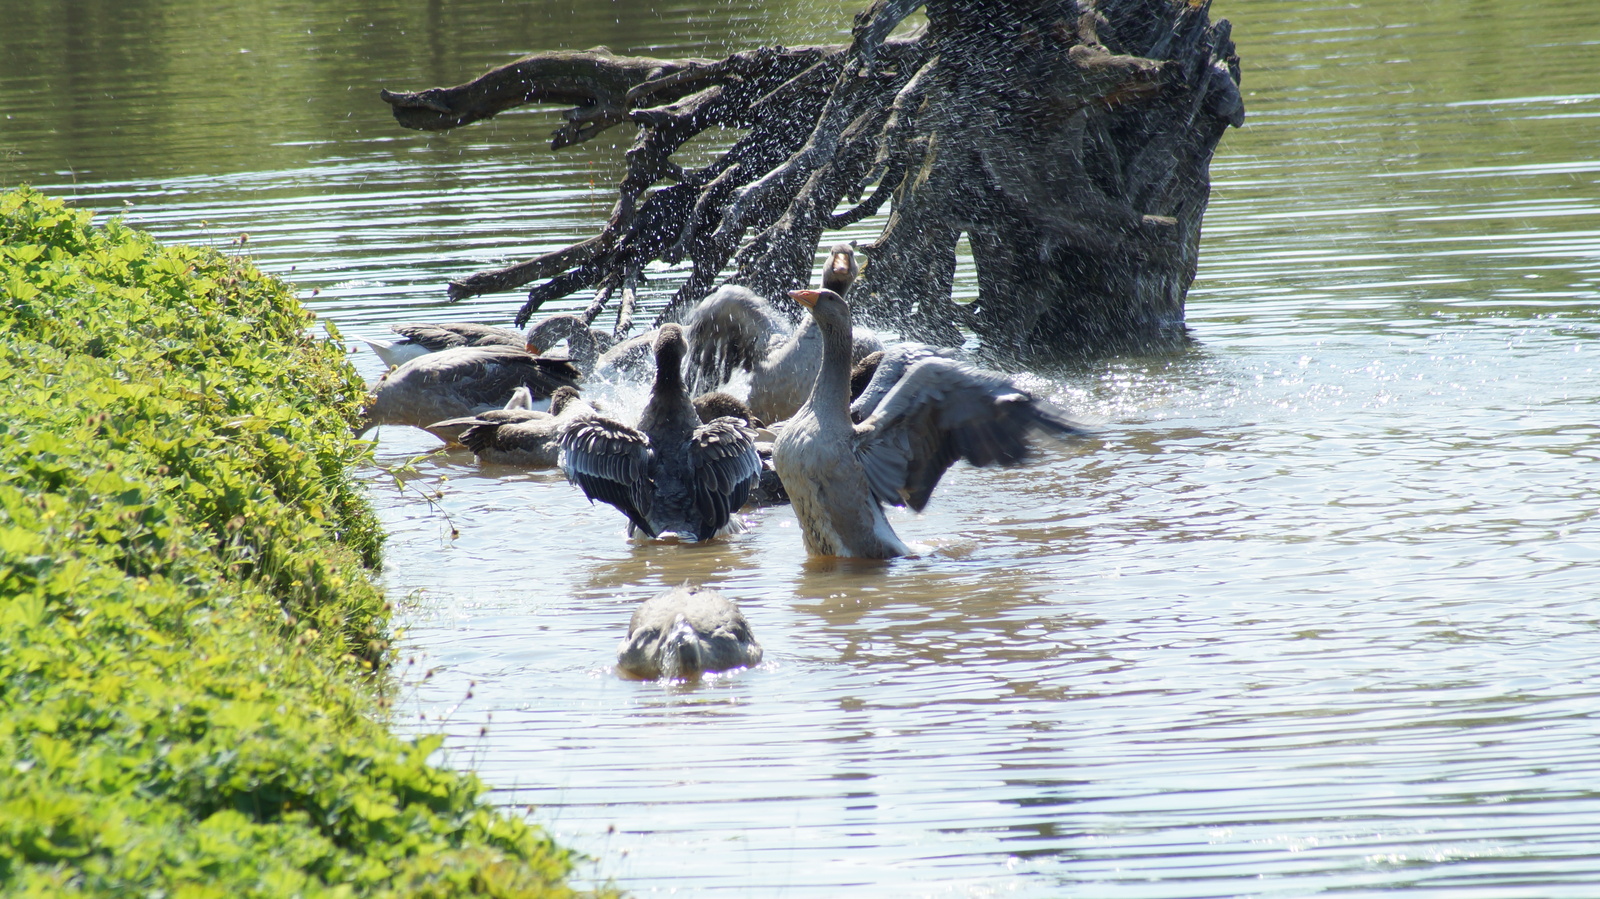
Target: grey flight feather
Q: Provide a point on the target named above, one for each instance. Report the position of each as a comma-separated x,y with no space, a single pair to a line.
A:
730,330
941,411
726,466
610,461
891,368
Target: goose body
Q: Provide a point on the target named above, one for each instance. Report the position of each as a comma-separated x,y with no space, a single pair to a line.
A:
530,440
460,382
684,632
673,472
518,408
840,474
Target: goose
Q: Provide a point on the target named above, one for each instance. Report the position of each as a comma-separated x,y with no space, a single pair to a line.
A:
736,329
840,474
530,441
672,473
584,344
421,338
684,632
518,408
459,382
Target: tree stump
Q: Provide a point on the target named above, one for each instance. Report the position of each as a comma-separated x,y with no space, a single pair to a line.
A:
1069,140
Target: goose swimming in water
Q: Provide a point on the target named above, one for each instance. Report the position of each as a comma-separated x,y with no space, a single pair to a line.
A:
684,632
672,473
840,474
460,382
518,408
526,440
735,329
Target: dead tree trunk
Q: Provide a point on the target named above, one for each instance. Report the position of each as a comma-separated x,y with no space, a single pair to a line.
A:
1069,140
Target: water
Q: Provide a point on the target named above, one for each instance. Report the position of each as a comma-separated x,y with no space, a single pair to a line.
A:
1315,614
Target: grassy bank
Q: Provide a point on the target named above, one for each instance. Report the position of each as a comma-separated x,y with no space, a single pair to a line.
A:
186,613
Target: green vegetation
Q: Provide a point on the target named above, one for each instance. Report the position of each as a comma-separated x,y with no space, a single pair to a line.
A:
187,623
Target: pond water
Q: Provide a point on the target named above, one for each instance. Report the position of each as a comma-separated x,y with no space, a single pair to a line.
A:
1316,612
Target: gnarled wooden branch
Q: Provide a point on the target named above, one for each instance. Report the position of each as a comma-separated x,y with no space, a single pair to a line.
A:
1070,141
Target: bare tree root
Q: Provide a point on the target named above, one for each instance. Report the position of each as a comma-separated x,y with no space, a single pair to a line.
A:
1070,140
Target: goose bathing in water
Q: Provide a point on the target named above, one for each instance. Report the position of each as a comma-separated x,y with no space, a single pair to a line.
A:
459,382
672,473
735,329
518,408
839,474
523,439
684,632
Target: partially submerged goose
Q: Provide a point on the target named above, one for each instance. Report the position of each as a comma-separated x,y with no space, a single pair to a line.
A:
672,473
530,441
735,329
460,382
840,474
518,408
684,632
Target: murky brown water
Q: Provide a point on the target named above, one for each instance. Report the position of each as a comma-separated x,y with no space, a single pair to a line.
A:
1317,614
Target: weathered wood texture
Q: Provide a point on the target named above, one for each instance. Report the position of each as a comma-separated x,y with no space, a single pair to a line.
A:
1069,140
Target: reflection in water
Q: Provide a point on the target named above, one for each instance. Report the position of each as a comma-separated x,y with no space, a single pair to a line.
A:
1314,612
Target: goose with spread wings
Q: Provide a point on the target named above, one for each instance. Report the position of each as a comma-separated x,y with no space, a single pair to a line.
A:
672,473
735,329
839,474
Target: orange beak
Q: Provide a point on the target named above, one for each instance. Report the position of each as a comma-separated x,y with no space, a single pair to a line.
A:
534,349
806,298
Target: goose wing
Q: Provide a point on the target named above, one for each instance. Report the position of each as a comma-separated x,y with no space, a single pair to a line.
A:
729,331
723,457
436,336
940,411
891,367
610,461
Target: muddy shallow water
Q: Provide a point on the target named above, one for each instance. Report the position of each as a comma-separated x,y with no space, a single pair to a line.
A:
1315,612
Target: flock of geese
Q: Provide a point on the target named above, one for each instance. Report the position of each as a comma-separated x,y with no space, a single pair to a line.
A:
835,422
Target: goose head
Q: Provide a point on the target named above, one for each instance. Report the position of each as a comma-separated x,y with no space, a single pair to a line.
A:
841,269
829,309
563,398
